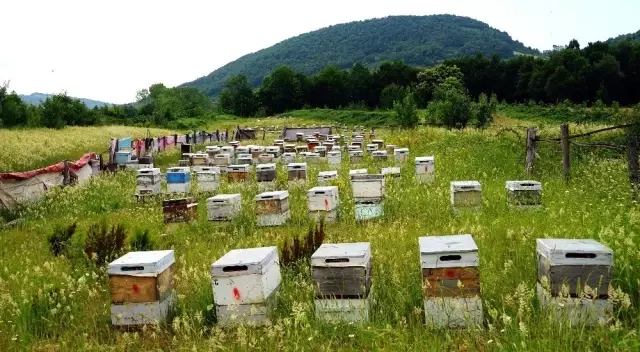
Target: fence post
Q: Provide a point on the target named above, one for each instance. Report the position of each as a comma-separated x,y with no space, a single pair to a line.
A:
564,141
264,133
66,180
633,163
531,150
226,135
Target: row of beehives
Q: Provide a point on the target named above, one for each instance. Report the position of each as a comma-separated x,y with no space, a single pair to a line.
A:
573,281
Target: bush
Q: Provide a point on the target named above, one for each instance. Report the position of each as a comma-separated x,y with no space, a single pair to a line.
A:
299,251
451,106
483,110
105,245
142,241
60,238
405,110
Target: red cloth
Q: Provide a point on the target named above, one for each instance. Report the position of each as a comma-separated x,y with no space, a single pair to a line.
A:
59,167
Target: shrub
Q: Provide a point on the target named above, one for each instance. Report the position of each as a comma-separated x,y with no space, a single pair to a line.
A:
451,106
405,110
483,110
298,251
142,241
60,238
105,245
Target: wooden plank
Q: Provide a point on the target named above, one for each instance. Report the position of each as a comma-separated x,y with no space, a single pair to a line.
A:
275,206
575,277
140,289
237,176
342,282
451,273
449,288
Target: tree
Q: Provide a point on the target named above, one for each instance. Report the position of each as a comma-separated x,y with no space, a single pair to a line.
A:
13,111
392,93
142,95
405,111
282,90
451,105
237,97
360,85
483,110
432,77
329,88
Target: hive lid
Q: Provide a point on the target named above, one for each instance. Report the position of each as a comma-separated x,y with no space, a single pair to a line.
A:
523,186
227,148
257,148
244,156
328,173
242,148
244,261
367,178
287,154
358,172
208,170
124,152
334,153
297,166
326,190
179,169
149,172
355,152
320,148
265,167
342,255
574,251
238,168
311,154
200,155
224,198
401,150
275,195
424,160
447,244
212,148
273,149
463,186
148,263
390,170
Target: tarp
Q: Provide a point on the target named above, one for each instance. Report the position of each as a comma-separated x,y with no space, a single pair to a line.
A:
290,133
59,167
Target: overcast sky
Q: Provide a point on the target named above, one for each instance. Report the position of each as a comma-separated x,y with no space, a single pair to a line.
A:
107,50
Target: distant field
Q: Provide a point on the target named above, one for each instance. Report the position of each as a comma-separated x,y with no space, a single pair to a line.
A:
62,304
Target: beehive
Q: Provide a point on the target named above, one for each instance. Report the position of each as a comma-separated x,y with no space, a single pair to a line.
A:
390,171
328,145
148,181
266,172
242,150
323,203
288,158
274,151
222,160
355,157
302,149
312,144
238,173
244,159
178,180
372,148
208,178
185,148
265,158
228,150
379,142
367,187
524,194
334,157
145,162
297,172
358,172
379,155
123,157
199,159
401,154
255,153
279,143
179,210
451,281
425,169
300,137
368,209
234,144
342,274
354,148
324,177
290,148
212,151
357,143
321,151
223,207
312,158
272,208
141,287
466,194
244,284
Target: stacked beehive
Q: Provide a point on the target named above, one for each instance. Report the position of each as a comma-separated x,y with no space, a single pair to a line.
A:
179,210
323,203
334,157
524,194
573,279
272,208
368,194
401,154
342,274
148,181
208,178
266,175
297,173
223,207
178,180
244,283
238,173
379,155
141,286
466,194
288,158
355,156
324,177
451,281
199,159
425,169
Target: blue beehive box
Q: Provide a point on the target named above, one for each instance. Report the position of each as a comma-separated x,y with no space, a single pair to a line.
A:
123,157
178,175
124,143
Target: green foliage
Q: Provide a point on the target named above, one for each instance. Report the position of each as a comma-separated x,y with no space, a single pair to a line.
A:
432,77
61,110
451,106
283,90
405,111
60,239
103,244
237,97
484,110
142,241
299,252
391,94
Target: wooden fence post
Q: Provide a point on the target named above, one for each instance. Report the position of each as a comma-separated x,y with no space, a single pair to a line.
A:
66,180
531,150
264,133
633,162
564,141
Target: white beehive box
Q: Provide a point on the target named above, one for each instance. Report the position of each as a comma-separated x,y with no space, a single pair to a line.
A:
255,152
223,207
272,208
208,178
334,157
265,158
148,181
227,149
321,150
178,180
355,157
379,142
297,172
290,148
354,148
372,148
238,173
368,209
244,159
524,194
288,158
401,154
323,198
391,171
425,168
324,177
453,251
234,144
223,159
453,312
379,155
312,158
245,276
575,311
466,194
212,151
273,150
242,149
199,159
358,172
141,287
367,187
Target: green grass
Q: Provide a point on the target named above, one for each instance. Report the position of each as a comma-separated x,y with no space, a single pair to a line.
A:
594,204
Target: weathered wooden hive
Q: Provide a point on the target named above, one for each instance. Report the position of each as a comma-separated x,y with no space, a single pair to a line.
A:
148,181
323,203
256,151
368,194
178,180
357,143
299,137
234,144
199,159
266,158
451,281
321,151
355,157
390,171
224,207
179,210
289,148
324,177
244,159
186,148
425,169
141,287
288,158
274,151
342,274
372,148
244,284
524,194
266,172
401,154
301,149
123,157
312,144
312,158
208,178
242,150
358,172
238,173
272,208
354,148
573,279
228,150
328,145
379,142
466,194
212,151
222,159
297,172
379,155
334,157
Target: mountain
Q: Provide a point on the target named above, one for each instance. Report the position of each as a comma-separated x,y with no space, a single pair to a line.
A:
38,98
634,37
418,40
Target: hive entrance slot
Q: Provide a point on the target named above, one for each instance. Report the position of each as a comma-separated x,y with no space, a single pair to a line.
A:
527,184
448,258
320,192
580,255
234,268
131,268
337,260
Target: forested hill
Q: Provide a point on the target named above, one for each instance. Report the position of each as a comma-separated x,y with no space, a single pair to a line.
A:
39,98
418,40
634,37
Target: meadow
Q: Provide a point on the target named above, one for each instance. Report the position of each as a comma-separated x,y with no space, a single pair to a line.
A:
62,303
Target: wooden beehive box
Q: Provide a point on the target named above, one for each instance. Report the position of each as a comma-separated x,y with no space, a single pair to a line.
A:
324,177
367,187
334,157
227,149
358,172
234,144
574,263
274,151
466,194
323,198
342,270
266,172
372,148
256,151
178,180
312,158
179,210
199,159
301,149
425,168
401,154
321,151
312,144
368,209
223,207
212,151
379,142
208,178
222,159
299,137
272,208
141,287
290,148
354,148
524,194
297,171
243,149
244,159
238,173
391,171
288,158
148,181
355,157
379,155
328,145
357,143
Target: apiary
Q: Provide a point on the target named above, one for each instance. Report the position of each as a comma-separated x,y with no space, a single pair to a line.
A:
272,208
451,281
342,276
179,210
178,180
372,148
266,172
355,157
321,151
390,171
358,172
244,284
379,142
256,151
401,154
274,151
466,194
334,157
212,151
148,181
208,178
379,155
244,159
324,177
425,169
123,157
199,159
323,203
302,149
524,194
222,159
312,158
288,158
368,209
297,172
141,287
367,187
290,148
238,173
223,207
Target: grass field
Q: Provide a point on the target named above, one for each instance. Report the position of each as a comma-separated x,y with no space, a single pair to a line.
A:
62,303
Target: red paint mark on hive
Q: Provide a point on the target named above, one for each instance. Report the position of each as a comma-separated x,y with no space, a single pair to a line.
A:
326,204
449,273
135,289
236,293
